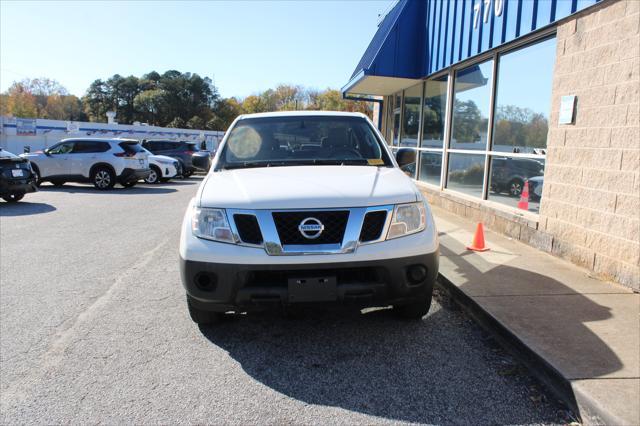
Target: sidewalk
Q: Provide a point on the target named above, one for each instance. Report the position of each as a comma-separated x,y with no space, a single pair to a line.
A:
579,335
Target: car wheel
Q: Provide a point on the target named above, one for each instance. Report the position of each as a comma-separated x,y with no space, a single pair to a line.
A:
103,178
201,317
414,310
515,187
13,197
187,173
58,183
154,176
129,184
36,174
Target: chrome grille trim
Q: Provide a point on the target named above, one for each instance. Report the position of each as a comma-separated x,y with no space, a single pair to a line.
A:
273,246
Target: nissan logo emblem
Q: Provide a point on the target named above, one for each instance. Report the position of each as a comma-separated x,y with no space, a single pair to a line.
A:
311,228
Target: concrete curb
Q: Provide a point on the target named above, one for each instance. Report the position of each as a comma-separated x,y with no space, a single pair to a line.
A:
586,408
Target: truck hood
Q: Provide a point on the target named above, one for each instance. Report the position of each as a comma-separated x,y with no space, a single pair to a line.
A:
304,187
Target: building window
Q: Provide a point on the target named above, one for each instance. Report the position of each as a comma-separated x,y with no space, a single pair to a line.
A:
466,173
510,175
430,167
521,124
435,104
471,106
411,116
523,98
397,109
433,126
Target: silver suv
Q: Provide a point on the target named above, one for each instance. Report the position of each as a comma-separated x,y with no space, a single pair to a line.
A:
103,162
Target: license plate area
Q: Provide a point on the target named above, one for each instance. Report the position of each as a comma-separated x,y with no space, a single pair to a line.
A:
17,173
312,289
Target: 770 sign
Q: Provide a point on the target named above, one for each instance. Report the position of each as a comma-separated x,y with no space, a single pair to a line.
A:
497,10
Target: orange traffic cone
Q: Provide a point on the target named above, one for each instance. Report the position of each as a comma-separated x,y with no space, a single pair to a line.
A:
524,197
478,240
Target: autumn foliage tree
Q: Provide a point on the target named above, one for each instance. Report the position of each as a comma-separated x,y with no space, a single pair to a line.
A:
171,99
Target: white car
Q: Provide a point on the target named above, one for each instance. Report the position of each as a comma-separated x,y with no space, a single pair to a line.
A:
162,168
102,162
307,207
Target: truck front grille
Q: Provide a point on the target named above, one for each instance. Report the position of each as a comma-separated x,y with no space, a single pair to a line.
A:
248,228
334,222
373,225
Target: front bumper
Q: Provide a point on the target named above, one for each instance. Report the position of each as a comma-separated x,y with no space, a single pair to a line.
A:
133,175
222,287
17,186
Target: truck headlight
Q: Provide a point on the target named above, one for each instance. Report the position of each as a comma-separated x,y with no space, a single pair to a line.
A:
211,224
407,219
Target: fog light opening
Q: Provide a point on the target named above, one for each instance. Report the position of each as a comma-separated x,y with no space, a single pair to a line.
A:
205,281
416,274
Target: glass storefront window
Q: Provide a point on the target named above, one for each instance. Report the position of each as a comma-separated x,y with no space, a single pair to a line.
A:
508,177
471,107
397,104
411,116
466,173
435,105
523,98
430,166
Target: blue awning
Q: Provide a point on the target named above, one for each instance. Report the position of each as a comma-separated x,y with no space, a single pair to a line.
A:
390,63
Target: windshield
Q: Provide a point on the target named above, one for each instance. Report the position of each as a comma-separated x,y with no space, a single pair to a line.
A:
302,140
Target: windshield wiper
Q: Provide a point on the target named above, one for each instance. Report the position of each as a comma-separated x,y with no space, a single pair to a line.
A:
343,162
301,162
251,164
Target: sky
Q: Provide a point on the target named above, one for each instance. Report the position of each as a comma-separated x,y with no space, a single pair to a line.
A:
244,46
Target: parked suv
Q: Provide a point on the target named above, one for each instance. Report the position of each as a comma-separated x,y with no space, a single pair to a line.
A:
16,177
102,162
187,153
307,207
509,174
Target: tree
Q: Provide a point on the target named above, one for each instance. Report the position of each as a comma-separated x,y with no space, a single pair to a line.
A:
150,105
225,111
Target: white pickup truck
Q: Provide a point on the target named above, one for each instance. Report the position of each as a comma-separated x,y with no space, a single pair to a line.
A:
307,208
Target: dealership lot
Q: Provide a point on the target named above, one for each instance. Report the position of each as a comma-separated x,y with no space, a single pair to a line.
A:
94,328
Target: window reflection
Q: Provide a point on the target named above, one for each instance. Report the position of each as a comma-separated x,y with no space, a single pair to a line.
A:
430,166
523,99
466,173
435,104
471,107
411,116
510,176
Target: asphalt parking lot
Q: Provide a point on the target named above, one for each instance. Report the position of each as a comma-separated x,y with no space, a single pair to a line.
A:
94,329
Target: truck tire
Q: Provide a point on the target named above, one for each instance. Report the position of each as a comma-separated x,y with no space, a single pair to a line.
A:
415,310
200,316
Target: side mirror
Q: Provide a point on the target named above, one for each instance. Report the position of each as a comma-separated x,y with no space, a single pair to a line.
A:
405,156
46,152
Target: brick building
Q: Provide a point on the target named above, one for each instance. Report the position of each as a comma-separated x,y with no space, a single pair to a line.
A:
500,98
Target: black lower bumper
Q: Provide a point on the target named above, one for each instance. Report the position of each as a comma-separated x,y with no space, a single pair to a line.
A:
229,287
133,175
17,186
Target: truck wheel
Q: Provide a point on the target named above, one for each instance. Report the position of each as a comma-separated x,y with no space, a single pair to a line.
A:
103,178
13,197
201,317
415,310
155,176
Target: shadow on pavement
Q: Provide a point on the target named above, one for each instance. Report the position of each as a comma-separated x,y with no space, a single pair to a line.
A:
549,316
425,371
140,189
24,208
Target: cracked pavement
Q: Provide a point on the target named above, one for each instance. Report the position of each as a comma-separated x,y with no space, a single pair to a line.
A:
94,329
